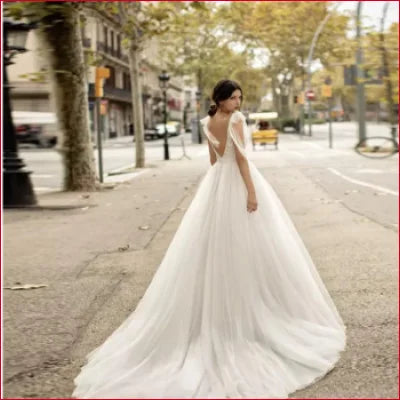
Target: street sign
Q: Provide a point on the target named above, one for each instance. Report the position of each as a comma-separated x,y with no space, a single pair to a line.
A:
101,74
326,91
103,107
310,94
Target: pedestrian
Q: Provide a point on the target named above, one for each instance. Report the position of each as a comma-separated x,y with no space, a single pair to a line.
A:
236,307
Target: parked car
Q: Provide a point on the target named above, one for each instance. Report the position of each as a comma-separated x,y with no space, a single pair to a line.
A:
173,129
35,128
31,134
150,133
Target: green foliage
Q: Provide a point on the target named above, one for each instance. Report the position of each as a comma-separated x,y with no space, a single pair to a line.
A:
38,11
39,77
195,45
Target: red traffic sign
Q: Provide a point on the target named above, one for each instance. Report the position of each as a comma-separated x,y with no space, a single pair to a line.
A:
310,94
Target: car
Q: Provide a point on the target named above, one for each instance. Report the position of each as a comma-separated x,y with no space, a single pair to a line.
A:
33,134
150,133
173,129
36,128
266,131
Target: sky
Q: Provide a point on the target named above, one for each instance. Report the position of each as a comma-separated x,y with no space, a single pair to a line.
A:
371,11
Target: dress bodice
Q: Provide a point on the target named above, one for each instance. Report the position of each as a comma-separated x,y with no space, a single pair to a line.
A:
229,152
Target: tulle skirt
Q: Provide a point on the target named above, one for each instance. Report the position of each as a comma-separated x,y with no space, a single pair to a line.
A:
235,309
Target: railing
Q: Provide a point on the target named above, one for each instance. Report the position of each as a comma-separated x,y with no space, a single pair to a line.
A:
87,42
112,52
117,94
112,93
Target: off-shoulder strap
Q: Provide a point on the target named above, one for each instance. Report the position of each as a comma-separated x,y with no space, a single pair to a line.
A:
210,136
238,131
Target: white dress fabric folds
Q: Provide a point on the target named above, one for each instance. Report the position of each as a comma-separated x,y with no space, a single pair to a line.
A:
236,308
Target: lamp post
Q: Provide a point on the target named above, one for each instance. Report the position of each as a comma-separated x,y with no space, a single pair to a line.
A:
362,132
17,189
163,79
198,98
309,60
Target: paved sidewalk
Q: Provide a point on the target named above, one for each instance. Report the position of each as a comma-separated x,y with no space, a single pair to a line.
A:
98,257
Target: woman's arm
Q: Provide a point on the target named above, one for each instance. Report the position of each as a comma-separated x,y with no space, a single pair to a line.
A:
213,157
243,165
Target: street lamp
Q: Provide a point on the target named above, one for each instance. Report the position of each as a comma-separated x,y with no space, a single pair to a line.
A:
198,98
362,131
309,60
163,79
17,189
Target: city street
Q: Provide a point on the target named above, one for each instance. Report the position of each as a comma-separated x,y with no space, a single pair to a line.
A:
366,186
80,253
118,154
96,254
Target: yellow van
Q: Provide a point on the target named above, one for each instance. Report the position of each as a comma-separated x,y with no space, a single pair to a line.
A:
265,132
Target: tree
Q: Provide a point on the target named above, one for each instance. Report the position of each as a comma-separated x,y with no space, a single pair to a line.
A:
197,47
59,30
279,29
140,22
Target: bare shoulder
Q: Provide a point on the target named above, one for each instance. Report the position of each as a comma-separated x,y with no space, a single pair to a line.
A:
237,117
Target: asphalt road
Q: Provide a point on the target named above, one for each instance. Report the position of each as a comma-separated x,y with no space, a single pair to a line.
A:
366,186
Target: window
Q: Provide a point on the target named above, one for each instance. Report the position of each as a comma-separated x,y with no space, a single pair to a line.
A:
110,82
127,81
105,39
119,45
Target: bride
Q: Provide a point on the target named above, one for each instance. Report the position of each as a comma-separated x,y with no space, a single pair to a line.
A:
236,307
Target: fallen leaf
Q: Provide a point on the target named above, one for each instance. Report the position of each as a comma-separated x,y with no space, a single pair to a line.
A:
26,286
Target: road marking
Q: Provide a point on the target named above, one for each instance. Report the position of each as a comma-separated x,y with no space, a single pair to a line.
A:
45,189
361,183
375,171
42,176
316,146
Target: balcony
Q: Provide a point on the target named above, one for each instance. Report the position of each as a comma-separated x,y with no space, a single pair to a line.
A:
100,46
115,53
87,42
112,93
117,94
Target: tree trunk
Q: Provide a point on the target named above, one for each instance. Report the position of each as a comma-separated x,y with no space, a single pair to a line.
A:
61,33
387,81
137,105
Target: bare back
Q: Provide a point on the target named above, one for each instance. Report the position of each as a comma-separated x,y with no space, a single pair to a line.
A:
219,129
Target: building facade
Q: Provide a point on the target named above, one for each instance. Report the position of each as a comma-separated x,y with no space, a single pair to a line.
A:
102,43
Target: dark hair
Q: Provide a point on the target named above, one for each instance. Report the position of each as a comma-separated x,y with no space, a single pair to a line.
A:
222,91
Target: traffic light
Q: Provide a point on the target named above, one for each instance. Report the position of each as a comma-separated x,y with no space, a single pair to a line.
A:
295,99
101,74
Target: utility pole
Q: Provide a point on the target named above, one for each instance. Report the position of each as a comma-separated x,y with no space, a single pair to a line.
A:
386,74
309,59
360,79
101,74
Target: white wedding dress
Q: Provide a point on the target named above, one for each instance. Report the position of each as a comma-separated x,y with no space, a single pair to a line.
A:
235,309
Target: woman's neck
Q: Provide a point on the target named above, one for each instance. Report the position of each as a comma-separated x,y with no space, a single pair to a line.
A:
223,114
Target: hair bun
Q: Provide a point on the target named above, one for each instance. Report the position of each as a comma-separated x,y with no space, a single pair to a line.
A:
212,110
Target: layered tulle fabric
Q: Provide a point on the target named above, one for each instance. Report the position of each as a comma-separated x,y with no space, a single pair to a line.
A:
235,309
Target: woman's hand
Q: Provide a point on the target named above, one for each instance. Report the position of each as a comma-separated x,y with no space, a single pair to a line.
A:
251,202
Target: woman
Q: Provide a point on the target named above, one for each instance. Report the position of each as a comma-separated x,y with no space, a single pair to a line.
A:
236,307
